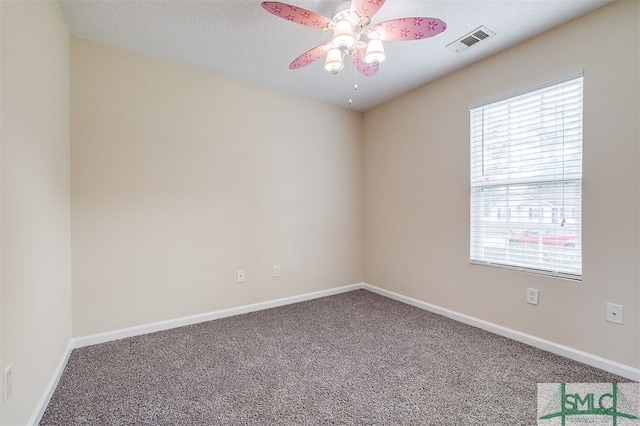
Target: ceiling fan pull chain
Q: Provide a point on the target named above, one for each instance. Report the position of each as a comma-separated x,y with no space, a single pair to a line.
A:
355,84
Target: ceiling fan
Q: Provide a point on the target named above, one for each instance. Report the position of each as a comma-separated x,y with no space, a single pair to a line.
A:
353,34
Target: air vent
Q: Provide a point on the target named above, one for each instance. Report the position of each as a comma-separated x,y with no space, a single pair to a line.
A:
468,40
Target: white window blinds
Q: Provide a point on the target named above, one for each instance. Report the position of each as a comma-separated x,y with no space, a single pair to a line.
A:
526,181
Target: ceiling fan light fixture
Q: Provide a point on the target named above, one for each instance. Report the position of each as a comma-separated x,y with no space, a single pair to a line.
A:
343,37
374,53
353,35
334,61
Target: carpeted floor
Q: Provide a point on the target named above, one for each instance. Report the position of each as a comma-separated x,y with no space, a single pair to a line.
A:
355,358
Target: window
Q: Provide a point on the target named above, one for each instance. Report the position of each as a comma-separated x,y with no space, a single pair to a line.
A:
526,159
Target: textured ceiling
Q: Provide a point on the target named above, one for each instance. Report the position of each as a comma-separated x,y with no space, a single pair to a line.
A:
239,39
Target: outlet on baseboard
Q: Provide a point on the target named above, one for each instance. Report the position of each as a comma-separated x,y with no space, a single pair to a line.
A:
7,382
532,296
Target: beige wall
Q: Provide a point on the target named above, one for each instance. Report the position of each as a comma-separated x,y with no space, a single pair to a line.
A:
35,191
181,177
417,190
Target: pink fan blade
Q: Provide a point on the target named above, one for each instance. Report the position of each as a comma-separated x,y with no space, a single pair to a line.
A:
407,29
366,8
362,66
297,15
310,56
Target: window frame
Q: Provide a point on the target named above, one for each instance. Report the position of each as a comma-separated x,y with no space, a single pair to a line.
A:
555,213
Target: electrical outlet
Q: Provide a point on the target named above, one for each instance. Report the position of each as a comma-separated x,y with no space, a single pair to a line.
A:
532,296
615,313
239,276
276,272
8,382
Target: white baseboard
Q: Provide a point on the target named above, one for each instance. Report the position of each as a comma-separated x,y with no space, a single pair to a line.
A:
622,370
51,387
79,342
108,336
614,367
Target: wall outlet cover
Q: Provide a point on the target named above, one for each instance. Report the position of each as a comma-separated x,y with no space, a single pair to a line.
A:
615,313
532,296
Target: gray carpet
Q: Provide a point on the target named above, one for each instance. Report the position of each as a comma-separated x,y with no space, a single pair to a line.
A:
355,358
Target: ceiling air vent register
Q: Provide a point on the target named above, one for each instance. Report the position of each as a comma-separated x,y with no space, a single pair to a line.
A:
468,40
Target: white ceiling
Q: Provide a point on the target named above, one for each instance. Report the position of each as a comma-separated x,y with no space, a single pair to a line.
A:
239,39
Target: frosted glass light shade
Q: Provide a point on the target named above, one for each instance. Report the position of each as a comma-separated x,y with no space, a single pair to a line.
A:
334,61
343,37
375,52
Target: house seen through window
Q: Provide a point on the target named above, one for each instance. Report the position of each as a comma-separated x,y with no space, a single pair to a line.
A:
526,180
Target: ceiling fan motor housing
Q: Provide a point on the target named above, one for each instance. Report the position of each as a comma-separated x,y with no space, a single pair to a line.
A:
344,11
